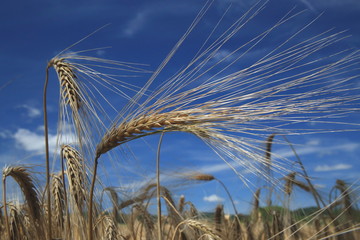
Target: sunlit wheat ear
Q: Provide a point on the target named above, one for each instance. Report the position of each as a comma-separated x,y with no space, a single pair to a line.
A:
68,82
75,174
110,229
23,178
143,126
205,229
58,195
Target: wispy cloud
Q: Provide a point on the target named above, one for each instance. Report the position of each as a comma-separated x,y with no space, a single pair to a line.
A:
214,168
308,5
32,112
5,134
317,149
135,24
213,198
326,168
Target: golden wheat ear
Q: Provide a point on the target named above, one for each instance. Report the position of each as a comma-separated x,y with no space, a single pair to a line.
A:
59,203
75,174
23,178
68,82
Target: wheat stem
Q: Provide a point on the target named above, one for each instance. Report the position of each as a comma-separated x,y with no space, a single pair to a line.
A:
5,208
158,186
46,134
90,211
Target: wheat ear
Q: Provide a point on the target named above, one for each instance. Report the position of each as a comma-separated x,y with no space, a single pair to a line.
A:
202,177
59,201
26,183
110,229
200,226
140,127
75,174
289,181
67,78
17,228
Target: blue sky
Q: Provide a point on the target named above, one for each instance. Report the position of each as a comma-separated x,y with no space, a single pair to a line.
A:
144,32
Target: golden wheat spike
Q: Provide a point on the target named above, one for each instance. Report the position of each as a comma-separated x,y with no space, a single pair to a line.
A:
22,176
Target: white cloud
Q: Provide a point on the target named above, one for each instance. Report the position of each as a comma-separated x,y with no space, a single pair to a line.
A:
32,112
213,198
31,141
34,142
326,168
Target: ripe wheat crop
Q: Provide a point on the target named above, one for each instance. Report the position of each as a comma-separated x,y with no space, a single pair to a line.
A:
233,108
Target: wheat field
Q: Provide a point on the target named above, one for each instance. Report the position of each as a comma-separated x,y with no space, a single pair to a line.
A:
237,103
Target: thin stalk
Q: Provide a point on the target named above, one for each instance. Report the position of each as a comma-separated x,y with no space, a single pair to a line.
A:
307,178
46,134
158,186
5,209
90,213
